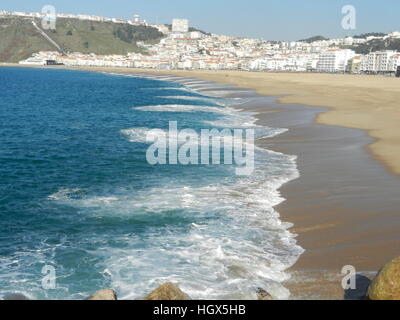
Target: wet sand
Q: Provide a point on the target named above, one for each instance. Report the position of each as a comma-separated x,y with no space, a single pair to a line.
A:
344,206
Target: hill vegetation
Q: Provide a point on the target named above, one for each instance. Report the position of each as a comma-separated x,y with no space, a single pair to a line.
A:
370,34
19,39
377,45
365,48
315,38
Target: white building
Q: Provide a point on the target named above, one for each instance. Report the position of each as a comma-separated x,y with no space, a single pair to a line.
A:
379,61
196,35
40,61
395,35
394,62
180,25
349,41
334,60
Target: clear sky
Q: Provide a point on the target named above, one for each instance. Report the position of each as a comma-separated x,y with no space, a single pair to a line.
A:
266,19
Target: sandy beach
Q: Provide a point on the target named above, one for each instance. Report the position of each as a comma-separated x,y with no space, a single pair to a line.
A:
344,207
369,103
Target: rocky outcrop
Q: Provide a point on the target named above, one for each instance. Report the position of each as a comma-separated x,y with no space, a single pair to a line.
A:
15,296
359,292
167,291
386,285
263,295
105,294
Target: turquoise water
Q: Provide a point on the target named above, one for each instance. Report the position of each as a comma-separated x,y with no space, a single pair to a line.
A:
77,193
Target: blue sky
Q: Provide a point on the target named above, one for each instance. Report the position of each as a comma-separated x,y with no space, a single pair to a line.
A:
267,19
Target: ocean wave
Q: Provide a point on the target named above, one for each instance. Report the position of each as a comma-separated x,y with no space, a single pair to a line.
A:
147,135
222,92
234,120
141,134
167,88
189,98
66,193
186,83
246,247
236,244
227,239
183,108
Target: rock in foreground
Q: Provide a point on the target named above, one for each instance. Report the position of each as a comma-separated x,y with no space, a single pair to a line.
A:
15,296
167,291
263,295
106,294
386,285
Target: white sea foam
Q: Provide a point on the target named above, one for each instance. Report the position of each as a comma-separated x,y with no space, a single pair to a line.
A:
222,259
198,82
222,92
199,86
183,108
167,88
140,134
166,78
189,98
218,101
65,193
261,133
234,119
237,243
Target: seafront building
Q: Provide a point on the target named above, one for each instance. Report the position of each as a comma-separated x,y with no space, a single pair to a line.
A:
380,62
334,60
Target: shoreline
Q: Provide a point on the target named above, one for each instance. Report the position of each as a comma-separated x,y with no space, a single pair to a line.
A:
311,92
354,226
334,236
337,227
382,146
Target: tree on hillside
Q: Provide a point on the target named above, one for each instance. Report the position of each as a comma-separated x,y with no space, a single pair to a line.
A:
132,34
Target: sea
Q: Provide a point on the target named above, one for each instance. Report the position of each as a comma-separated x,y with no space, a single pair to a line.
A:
81,209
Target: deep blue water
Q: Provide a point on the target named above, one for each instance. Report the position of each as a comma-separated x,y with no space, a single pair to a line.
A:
77,193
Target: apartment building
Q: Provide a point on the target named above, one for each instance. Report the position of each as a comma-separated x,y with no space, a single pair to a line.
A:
394,62
378,62
355,64
335,60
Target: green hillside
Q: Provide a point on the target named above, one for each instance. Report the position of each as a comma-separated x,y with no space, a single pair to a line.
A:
19,39
378,45
375,45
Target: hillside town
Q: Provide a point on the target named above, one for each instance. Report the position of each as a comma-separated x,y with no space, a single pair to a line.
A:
183,48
